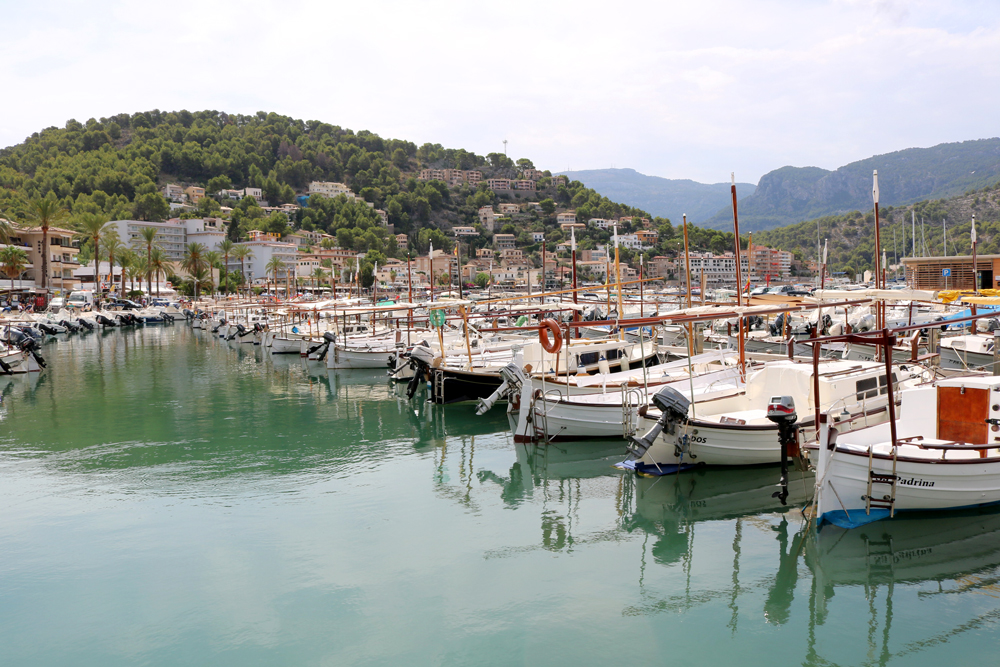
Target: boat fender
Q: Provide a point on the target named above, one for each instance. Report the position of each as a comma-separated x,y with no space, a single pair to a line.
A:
550,345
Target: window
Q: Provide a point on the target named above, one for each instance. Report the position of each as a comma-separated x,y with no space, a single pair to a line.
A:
867,388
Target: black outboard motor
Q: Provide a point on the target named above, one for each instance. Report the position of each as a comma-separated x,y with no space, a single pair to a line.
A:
421,358
188,313
103,321
46,329
240,331
781,411
86,324
70,326
778,326
673,407
31,346
218,326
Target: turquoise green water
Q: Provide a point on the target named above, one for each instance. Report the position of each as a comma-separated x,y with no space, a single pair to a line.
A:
167,498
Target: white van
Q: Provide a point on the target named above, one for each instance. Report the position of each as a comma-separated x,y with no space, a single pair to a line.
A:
79,298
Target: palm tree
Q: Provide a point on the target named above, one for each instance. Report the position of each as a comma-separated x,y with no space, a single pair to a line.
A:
112,245
242,252
93,226
194,263
148,235
213,258
6,230
46,213
273,266
226,248
318,274
126,260
13,261
328,264
157,264
140,269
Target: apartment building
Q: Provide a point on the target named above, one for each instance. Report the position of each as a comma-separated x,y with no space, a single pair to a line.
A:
509,255
523,185
194,193
487,217
465,231
537,237
532,174
647,237
498,184
661,267
61,253
452,177
559,180
173,192
565,217
770,264
402,241
503,241
382,216
509,209
329,189
484,253
264,247
173,235
601,223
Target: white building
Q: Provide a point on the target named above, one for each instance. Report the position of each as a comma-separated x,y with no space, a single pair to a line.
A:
487,217
329,189
173,235
537,237
264,247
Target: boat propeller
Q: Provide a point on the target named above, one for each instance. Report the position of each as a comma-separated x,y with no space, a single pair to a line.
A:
781,411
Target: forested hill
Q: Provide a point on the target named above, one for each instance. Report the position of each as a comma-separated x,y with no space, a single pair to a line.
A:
669,198
852,235
792,194
114,167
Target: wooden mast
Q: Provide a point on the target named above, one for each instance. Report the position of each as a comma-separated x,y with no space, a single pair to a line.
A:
739,279
687,274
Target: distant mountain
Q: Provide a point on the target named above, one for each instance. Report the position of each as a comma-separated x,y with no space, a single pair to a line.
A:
792,194
664,197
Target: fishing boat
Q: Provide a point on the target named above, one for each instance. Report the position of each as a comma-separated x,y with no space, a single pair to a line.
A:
735,430
942,452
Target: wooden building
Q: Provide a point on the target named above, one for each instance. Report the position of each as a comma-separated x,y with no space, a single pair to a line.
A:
938,273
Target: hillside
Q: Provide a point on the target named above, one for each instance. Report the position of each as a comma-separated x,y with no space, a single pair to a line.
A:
115,167
664,197
792,194
852,235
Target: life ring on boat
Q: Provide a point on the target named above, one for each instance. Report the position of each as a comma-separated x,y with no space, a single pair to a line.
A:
554,344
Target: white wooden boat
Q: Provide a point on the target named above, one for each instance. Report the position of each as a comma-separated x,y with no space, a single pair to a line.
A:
735,430
945,455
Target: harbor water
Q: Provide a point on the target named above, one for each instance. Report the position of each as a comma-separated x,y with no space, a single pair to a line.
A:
169,498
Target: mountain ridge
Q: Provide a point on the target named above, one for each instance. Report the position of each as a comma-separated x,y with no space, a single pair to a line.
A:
664,197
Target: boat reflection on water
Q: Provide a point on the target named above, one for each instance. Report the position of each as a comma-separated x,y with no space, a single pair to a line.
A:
713,494
538,465
912,570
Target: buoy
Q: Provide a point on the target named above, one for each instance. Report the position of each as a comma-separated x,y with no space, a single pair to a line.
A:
554,344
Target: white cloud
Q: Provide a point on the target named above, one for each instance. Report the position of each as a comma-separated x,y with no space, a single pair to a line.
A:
676,89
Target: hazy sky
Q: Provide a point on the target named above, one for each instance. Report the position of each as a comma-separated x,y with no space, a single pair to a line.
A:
691,89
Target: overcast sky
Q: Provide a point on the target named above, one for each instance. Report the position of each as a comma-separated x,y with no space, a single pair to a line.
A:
674,89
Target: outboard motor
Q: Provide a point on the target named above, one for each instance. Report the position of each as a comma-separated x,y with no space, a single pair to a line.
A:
221,324
673,407
70,326
15,335
103,321
46,329
778,326
86,324
240,330
781,411
865,323
30,346
421,358
513,380
188,313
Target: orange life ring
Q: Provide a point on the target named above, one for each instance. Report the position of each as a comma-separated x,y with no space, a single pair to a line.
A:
553,345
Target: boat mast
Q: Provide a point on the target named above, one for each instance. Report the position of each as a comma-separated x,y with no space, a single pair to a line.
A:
687,274
739,279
